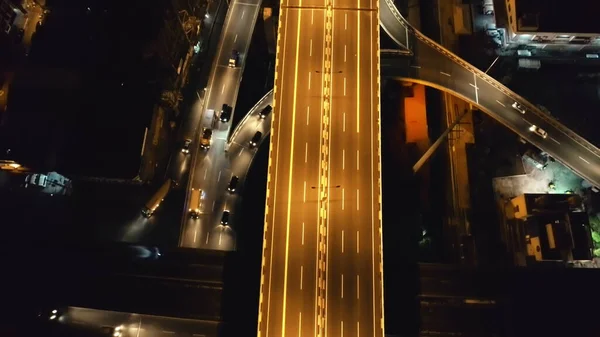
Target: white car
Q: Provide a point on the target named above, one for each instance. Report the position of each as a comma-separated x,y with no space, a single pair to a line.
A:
519,107
541,132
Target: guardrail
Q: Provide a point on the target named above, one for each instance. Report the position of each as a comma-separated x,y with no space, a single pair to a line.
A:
251,112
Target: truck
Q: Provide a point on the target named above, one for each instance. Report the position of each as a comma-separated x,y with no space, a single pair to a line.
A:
37,179
529,64
488,7
205,138
152,204
195,202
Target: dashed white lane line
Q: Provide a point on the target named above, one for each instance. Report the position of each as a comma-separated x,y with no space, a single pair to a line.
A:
587,162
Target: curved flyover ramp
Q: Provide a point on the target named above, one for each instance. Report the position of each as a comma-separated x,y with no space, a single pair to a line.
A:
437,67
433,65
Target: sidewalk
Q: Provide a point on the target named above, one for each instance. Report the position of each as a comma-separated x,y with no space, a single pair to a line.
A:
161,134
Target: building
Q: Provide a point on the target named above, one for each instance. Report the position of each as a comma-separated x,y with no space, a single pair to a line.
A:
95,73
548,227
552,22
12,16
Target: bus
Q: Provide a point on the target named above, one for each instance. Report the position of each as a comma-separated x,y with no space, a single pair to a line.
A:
156,199
195,202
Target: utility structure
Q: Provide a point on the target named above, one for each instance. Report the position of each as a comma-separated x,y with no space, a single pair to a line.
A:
437,143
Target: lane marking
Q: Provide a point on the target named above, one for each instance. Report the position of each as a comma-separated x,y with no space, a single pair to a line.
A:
343,192
417,67
235,38
345,20
300,324
357,200
587,162
205,171
223,88
343,159
312,16
357,242
213,206
219,177
357,329
291,174
207,236
195,234
306,152
357,286
497,101
557,142
241,151
301,275
303,233
446,74
357,160
358,73
342,289
310,48
344,86
307,114
476,88
344,123
220,235
266,291
309,74
243,12
305,191
342,240
345,47
342,329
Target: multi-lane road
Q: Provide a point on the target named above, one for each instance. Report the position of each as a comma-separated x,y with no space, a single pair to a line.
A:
210,169
321,270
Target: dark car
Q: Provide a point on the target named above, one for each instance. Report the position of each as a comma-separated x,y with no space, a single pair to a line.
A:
233,184
254,141
186,146
226,113
225,218
234,59
265,112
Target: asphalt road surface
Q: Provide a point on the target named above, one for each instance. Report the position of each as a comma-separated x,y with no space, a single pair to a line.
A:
138,325
210,169
435,66
322,261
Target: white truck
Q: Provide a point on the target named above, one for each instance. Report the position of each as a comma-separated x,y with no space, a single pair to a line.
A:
37,179
488,7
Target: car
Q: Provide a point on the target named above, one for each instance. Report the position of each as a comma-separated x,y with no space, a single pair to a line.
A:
112,331
225,115
186,145
539,131
234,58
233,184
205,140
519,107
255,139
225,218
265,112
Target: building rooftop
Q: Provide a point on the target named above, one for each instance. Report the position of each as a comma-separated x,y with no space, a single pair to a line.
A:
556,16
